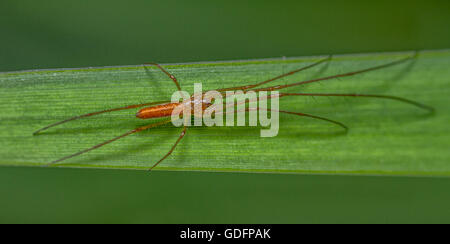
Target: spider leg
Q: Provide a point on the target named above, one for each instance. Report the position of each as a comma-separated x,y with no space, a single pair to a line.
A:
274,88
167,73
98,112
145,127
246,87
183,132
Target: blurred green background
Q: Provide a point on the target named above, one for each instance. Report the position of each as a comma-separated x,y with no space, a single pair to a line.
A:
61,34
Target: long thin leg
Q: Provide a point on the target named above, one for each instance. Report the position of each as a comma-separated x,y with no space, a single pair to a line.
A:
315,117
246,87
112,140
273,88
167,73
298,114
98,112
171,150
420,105
304,115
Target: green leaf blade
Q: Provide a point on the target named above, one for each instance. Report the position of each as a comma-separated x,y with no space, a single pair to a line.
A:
385,137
